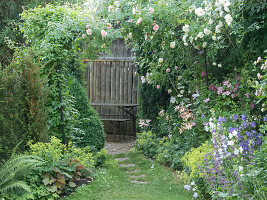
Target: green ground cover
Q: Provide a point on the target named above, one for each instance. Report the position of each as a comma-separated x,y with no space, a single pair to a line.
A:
115,183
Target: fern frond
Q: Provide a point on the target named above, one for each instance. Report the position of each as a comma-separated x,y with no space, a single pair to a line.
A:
18,163
14,185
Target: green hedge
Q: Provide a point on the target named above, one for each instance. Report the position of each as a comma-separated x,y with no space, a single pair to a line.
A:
89,122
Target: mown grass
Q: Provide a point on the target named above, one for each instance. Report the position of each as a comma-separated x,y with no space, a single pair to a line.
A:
113,183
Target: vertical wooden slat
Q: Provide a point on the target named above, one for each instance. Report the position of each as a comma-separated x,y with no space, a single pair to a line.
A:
125,82
91,81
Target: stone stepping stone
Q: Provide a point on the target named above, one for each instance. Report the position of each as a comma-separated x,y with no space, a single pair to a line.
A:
139,182
141,176
121,159
127,165
133,171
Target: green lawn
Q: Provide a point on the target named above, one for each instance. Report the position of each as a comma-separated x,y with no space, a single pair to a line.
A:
114,183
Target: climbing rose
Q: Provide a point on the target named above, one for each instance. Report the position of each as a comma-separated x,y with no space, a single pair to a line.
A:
139,20
228,18
168,70
158,86
83,36
89,32
87,26
156,27
151,10
103,33
172,45
108,26
186,28
199,12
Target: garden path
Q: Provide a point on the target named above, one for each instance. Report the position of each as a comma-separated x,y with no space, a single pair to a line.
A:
124,147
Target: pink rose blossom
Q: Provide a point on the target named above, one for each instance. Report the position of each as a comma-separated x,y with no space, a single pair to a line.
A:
103,33
168,70
89,32
151,10
158,86
108,26
176,67
83,36
87,26
156,27
139,20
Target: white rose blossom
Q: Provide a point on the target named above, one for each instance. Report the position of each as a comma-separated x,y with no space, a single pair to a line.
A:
228,18
199,12
186,28
172,45
207,31
200,35
204,45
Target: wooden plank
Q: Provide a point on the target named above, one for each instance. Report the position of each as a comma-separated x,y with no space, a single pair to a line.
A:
91,81
135,85
125,83
113,82
130,83
118,82
121,83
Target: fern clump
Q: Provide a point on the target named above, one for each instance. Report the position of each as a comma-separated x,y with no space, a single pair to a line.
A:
12,170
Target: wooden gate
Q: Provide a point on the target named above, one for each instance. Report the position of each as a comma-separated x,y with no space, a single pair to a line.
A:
111,79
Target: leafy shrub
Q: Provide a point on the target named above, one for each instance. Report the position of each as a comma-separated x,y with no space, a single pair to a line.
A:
23,93
147,143
64,169
88,120
193,158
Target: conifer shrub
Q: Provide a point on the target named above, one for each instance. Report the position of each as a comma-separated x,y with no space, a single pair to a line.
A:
92,130
23,113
